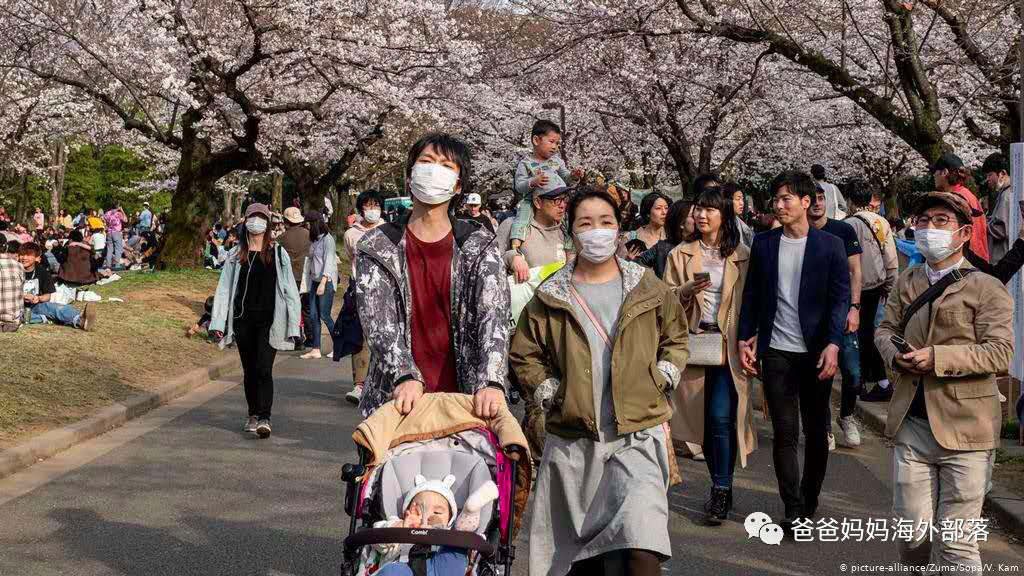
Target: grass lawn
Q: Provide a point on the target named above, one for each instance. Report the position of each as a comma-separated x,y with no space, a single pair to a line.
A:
53,375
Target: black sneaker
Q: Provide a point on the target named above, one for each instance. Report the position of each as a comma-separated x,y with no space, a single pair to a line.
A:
878,394
263,428
718,505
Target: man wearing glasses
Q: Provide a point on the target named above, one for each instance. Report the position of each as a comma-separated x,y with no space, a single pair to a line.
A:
944,415
544,244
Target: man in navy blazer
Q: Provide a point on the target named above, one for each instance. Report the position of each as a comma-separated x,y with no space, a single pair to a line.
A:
791,327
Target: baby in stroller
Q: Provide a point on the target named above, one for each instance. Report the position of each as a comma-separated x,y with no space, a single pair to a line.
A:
431,504
436,492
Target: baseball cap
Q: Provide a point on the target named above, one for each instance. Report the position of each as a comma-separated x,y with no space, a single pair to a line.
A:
473,199
954,202
293,215
258,208
554,192
947,161
995,162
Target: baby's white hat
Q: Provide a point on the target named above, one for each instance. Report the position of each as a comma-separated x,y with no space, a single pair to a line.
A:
442,487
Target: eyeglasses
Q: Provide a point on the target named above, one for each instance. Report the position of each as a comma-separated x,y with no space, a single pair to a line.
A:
940,221
559,200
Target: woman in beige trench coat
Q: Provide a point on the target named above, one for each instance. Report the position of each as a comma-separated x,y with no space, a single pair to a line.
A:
713,404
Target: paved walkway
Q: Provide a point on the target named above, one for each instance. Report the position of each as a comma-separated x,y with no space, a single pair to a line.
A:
181,491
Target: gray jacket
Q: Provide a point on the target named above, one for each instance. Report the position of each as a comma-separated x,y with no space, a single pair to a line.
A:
480,310
323,261
287,308
999,237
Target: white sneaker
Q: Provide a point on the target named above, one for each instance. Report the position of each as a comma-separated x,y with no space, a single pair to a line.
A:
355,395
263,428
831,442
313,354
849,427
250,425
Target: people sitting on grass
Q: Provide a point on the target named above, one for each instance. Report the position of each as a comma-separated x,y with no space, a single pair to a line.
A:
12,281
39,289
78,267
203,325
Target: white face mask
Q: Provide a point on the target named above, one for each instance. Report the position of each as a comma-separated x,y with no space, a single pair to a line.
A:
598,244
372,215
432,183
256,225
935,245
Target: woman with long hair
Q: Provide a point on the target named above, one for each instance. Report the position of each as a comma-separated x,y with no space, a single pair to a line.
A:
679,217
713,401
256,306
322,279
607,463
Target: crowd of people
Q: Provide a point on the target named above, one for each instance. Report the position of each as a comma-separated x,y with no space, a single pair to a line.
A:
647,341
649,330
45,265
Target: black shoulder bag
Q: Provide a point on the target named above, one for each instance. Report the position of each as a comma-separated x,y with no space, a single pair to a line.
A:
932,293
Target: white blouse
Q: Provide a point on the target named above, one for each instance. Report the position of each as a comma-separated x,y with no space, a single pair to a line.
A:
711,297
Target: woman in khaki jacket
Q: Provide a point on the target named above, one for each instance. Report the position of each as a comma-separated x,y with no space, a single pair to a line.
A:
713,402
600,346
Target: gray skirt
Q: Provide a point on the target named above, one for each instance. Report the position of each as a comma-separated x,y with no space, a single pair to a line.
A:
596,497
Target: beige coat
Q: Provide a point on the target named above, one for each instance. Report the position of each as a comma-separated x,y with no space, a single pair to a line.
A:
971,330
688,422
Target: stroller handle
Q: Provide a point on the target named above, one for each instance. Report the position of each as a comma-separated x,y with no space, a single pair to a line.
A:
429,536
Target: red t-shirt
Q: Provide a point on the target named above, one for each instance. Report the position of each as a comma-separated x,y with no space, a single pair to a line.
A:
979,239
430,279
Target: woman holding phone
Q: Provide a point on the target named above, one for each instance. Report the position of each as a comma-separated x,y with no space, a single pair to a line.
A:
713,401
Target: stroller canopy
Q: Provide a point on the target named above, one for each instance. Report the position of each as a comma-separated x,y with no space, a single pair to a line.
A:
440,415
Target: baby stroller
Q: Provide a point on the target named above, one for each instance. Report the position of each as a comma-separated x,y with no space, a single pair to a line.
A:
439,437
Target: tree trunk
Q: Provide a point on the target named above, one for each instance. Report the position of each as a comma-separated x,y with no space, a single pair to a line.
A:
227,210
58,164
278,190
189,218
21,204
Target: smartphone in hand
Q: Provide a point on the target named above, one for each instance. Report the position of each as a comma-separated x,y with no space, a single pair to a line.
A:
702,277
901,344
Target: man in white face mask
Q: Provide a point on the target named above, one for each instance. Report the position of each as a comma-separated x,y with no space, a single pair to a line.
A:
944,414
431,293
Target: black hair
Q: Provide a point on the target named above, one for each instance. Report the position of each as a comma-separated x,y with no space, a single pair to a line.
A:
367,196
31,248
647,204
730,231
208,306
13,246
76,236
448,146
588,193
4,225
542,127
818,171
317,226
703,181
677,214
859,193
799,183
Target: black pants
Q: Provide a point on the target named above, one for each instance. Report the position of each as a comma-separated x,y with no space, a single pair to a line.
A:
307,321
630,562
871,367
795,394
253,342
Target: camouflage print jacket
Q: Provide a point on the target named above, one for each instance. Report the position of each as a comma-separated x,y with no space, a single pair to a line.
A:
479,311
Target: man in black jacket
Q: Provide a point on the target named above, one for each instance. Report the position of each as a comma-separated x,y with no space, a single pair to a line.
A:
792,321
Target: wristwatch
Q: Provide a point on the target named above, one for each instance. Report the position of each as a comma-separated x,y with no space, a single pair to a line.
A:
855,305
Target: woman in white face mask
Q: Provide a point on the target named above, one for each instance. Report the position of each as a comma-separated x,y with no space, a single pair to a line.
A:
600,346
257,307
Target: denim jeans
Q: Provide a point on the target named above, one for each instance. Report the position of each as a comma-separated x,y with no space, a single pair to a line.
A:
56,313
720,443
320,309
115,249
849,367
